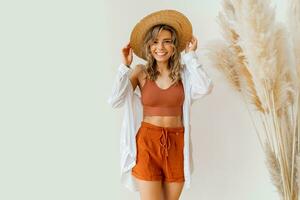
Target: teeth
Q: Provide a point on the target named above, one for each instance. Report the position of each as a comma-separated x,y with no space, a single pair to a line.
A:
161,54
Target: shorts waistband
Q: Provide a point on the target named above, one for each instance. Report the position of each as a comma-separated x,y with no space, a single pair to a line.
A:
160,128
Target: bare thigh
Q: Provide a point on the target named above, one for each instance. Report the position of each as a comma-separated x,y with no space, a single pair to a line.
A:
150,190
172,190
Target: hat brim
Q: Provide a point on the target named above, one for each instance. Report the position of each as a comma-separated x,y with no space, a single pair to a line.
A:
173,18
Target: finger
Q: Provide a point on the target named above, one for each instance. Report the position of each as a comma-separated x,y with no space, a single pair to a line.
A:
126,46
194,41
193,37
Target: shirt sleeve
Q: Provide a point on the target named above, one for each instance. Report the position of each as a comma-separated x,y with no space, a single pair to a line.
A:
201,84
121,87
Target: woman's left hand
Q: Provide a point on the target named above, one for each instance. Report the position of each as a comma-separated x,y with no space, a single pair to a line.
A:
191,45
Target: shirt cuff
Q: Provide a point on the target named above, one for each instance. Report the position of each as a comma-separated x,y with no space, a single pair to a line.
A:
190,59
187,56
123,69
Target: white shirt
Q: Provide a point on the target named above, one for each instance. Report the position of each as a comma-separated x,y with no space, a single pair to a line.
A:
196,84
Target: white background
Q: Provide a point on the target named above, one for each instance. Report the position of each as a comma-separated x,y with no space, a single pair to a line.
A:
59,139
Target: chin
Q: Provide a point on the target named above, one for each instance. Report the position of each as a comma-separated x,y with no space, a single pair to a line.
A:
161,60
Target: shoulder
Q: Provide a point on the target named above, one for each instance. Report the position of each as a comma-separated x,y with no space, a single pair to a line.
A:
140,67
139,70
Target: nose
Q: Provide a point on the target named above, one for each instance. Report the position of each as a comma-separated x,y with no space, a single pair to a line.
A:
160,45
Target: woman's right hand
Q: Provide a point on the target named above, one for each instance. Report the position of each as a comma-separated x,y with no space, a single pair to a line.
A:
127,55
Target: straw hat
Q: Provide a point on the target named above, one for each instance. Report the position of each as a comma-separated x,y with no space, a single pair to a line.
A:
173,18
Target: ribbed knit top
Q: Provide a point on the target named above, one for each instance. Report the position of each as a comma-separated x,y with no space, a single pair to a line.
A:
162,102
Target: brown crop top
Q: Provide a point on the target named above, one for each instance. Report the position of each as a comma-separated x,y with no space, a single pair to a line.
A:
162,102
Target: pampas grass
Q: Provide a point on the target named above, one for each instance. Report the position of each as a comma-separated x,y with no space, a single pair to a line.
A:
258,57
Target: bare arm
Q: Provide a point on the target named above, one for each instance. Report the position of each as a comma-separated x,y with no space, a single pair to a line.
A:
135,76
127,60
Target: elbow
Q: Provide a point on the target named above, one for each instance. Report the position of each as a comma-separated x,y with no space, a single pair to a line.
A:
198,93
209,88
114,103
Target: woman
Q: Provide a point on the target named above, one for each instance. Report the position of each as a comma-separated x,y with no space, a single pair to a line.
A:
155,137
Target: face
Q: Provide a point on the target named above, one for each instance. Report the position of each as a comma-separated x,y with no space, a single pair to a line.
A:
162,48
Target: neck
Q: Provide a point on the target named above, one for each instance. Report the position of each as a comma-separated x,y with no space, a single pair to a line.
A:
162,67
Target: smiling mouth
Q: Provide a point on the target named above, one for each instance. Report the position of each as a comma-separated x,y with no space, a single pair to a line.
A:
161,54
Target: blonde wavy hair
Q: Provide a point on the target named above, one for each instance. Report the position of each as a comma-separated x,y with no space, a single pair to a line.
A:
174,64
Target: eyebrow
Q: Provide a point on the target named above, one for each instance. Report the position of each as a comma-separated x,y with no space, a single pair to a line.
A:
166,39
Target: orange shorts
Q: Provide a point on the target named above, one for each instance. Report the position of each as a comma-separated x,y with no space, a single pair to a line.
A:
159,153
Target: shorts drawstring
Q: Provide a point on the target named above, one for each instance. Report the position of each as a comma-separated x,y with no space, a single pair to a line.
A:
164,142
165,145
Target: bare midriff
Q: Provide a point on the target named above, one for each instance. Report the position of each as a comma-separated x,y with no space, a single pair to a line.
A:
164,121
